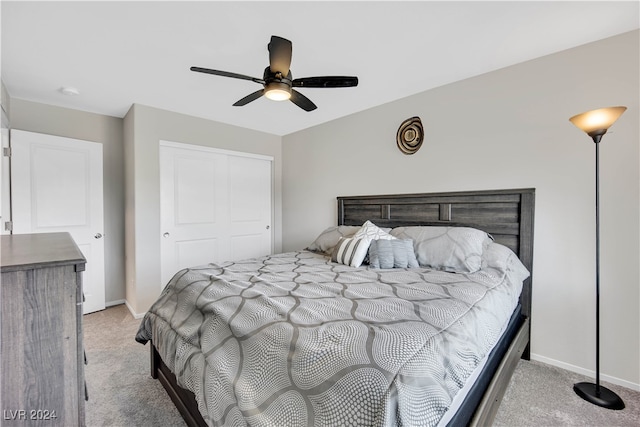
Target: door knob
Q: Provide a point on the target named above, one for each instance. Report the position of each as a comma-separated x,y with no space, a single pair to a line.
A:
165,235
98,236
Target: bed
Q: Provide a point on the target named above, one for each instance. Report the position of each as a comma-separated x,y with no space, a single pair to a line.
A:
308,340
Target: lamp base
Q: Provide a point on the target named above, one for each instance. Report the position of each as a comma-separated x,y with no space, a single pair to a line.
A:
606,398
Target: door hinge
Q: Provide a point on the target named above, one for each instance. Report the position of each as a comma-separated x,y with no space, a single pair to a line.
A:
6,151
8,226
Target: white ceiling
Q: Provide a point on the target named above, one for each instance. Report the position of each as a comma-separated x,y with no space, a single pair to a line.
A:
120,53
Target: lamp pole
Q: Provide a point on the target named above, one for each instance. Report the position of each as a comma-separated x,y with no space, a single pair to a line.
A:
596,123
596,140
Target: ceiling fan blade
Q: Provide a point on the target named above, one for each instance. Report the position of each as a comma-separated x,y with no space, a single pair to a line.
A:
251,97
279,55
326,81
226,74
302,101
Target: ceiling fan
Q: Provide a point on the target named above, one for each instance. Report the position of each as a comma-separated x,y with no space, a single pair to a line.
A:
277,80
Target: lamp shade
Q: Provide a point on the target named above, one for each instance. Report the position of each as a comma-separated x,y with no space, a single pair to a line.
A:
597,121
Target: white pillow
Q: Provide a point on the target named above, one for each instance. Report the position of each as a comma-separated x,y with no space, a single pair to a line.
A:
353,251
372,232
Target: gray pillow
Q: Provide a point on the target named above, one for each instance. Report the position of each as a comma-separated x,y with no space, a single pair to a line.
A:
453,249
330,237
396,253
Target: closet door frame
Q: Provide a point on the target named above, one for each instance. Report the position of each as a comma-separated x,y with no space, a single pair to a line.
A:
198,226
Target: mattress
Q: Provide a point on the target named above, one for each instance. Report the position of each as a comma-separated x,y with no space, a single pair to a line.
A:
464,404
295,339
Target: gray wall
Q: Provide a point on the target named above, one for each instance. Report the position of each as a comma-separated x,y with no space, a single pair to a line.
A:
48,119
144,128
510,129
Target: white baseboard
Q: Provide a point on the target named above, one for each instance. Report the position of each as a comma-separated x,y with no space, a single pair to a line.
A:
133,313
586,372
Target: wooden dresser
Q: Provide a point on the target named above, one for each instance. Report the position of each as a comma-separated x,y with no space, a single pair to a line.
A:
41,344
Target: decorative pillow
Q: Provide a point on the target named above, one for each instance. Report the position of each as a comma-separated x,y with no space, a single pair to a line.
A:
396,253
453,249
372,232
350,251
329,238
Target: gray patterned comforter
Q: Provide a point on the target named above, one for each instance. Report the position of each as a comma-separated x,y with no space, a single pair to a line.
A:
296,340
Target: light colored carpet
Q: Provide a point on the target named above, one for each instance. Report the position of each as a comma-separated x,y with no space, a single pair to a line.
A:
542,395
121,390
123,394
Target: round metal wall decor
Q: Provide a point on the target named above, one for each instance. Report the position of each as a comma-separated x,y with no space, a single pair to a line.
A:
410,135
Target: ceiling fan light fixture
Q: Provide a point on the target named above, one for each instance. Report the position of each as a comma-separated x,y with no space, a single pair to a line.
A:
277,91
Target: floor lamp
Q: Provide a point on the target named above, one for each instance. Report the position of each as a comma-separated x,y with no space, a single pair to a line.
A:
596,123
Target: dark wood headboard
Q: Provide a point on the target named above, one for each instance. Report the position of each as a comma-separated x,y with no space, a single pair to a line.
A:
505,214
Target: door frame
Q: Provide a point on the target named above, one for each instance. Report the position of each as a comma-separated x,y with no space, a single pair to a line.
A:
5,176
94,152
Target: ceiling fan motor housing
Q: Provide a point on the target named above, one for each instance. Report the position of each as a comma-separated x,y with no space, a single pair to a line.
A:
269,76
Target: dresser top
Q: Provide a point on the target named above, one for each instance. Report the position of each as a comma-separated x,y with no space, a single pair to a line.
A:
22,251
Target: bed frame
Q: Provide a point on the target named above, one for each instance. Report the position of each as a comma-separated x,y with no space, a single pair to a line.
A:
505,214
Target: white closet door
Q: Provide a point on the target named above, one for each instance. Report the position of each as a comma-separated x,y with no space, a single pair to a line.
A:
249,184
56,186
215,206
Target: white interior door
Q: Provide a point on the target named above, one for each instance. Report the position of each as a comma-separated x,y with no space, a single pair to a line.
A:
56,186
215,205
